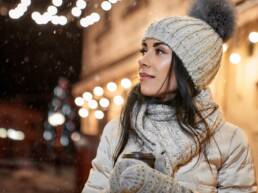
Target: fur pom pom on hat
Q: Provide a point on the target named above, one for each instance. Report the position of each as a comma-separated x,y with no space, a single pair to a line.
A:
198,38
219,14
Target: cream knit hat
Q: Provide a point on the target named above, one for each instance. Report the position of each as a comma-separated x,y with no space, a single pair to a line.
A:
198,39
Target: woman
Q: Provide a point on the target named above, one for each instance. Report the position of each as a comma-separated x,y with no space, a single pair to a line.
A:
172,115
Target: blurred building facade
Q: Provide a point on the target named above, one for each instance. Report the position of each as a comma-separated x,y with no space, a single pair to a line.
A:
111,49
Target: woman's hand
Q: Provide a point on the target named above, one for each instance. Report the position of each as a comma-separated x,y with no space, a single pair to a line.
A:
137,177
119,168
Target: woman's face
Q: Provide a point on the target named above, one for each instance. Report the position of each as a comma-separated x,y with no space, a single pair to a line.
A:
154,67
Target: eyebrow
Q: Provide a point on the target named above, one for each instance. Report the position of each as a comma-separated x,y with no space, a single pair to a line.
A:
154,45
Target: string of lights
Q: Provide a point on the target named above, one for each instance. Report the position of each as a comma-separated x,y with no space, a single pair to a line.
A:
51,13
20,9
98,100
13,134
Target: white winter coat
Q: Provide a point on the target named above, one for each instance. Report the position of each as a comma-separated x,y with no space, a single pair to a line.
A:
236,174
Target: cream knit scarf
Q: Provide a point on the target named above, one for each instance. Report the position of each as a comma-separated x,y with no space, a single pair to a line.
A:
158,130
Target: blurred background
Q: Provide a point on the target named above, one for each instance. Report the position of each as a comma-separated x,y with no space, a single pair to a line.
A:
66,67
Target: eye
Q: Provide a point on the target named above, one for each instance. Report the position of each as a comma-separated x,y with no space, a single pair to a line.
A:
159,51
143,51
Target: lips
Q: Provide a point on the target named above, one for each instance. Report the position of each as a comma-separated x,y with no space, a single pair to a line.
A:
145,76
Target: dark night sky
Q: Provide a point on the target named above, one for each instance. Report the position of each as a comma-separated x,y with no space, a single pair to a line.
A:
33,57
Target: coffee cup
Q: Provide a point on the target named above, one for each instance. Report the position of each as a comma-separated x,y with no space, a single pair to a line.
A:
147,158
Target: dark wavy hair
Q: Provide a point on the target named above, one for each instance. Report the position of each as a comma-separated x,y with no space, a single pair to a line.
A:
186,109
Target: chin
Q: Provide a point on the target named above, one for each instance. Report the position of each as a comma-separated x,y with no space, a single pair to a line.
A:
147,92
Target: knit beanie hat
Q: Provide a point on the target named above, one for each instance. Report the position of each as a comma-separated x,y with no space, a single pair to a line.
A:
197,39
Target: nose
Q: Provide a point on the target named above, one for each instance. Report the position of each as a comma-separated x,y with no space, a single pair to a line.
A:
144,62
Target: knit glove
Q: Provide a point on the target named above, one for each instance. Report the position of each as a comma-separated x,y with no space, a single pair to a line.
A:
140,178
121,166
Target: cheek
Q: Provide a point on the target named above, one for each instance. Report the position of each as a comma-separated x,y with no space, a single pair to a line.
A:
162,81
162,69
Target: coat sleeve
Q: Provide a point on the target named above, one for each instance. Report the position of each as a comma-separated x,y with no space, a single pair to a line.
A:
237,174
102,164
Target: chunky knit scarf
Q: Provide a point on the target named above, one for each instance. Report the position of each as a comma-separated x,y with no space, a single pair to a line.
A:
159,132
